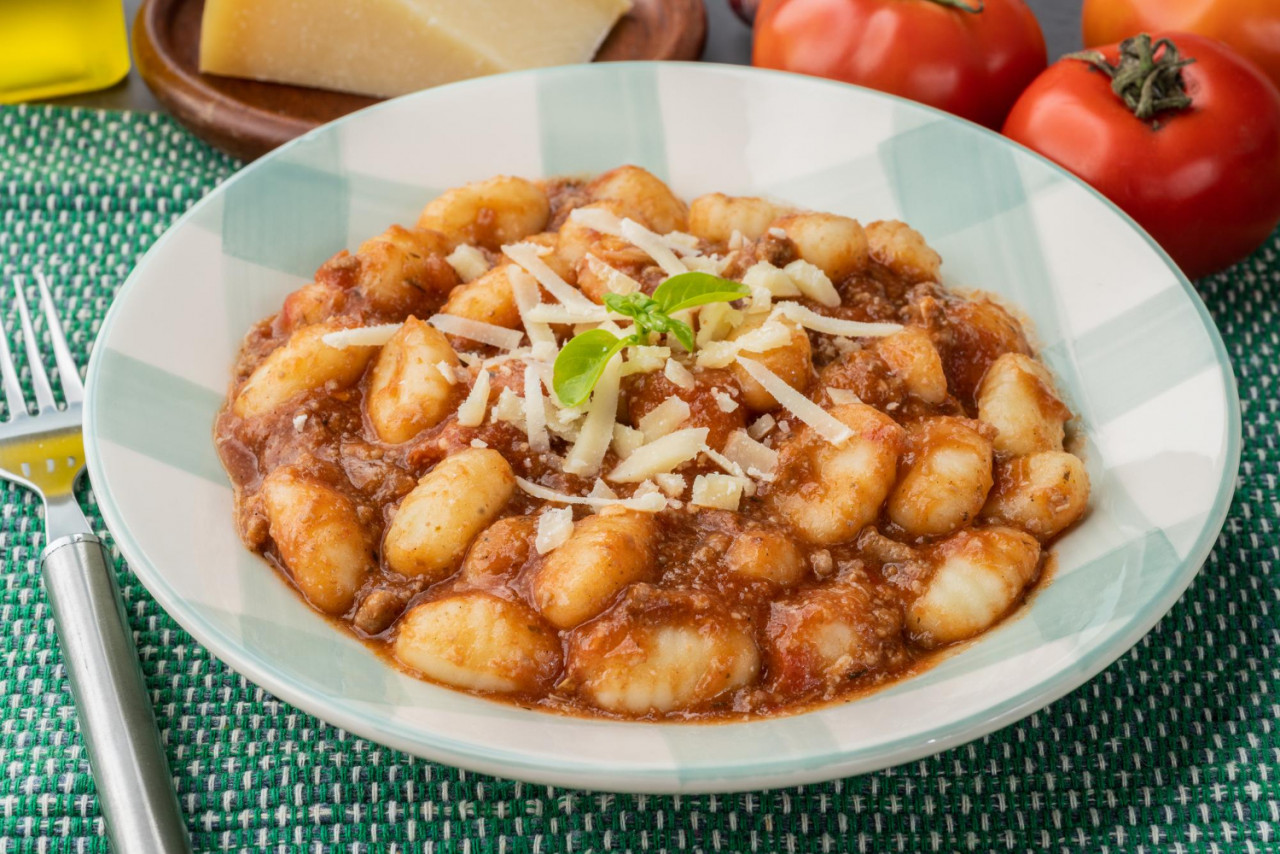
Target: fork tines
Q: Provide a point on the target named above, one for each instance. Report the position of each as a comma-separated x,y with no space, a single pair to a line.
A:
68,374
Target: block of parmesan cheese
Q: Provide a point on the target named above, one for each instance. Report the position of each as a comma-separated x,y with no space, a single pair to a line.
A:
390,47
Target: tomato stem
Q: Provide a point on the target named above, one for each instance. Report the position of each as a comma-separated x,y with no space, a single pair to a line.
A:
975,7
1147,83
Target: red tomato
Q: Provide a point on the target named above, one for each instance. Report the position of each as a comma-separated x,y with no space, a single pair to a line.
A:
1203,179
962,56
1252,27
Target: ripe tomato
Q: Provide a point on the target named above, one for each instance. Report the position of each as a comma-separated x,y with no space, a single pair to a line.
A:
1201,173
1252,27
965,56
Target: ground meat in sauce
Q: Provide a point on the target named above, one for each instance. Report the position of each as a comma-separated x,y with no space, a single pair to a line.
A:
713,613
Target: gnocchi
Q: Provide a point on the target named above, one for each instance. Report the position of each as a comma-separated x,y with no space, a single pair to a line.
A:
818,487
454,502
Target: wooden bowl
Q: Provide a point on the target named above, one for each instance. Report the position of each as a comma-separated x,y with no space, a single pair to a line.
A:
247,118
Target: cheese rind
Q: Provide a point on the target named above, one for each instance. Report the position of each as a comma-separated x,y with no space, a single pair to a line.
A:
390,47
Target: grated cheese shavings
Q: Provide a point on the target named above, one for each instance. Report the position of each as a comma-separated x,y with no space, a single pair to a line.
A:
361,336
810,319
299,422
679,375
468,262
555,526
528,256
661,455
597,219
751,455
479,443
535,413
672,485
527,296
600,489
477,330
822,422
762,274
645,360
471,411
615,280
841,396
724,462
654,246
597,430
813,283
761,426
649,503
718,491
446,371
664,418
626,440
724,400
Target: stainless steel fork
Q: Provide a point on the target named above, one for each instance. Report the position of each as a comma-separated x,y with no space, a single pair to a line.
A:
45,453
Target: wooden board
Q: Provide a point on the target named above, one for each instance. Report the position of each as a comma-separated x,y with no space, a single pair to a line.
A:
247,118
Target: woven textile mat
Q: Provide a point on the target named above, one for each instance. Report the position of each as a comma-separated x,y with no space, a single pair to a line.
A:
1173,748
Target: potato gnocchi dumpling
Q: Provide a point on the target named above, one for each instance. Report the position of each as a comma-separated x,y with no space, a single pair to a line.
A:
840,468
660,651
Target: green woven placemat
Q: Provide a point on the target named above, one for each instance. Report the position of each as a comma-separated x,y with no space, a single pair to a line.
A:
1173,748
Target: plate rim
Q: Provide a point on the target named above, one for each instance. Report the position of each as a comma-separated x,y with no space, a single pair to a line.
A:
677,777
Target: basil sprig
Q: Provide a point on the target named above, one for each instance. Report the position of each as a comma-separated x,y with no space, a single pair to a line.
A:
583,359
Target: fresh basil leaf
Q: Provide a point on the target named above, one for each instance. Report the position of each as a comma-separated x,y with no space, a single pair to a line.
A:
686,290
632,305
581,362
683,333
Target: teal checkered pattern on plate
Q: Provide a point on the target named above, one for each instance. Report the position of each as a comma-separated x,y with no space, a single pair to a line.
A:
1173,748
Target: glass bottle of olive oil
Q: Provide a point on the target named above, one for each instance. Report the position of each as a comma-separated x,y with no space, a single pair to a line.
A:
56,47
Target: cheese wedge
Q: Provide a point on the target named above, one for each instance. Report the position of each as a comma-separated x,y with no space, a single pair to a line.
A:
390,47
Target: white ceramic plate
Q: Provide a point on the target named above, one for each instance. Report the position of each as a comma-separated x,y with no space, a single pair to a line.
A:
1126,334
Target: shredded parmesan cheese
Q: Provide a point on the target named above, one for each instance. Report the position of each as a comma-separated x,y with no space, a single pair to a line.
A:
597,219
446,371
673,485
810,319
527,296
600,489
661,455
545,313
679,241
813,283
678,374
715,321
724,400
645,360
479,443
724,462
777,232
761,426
751,455
615,280
477,330
664,418
361,336
535,414
823,423
719,491
653,244
468,262
471,411
299,422
527,255
651,503
841,396
762,274
736,240
597,431
626,440
555,526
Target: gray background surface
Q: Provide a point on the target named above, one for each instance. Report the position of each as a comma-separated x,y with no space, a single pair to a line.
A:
728,40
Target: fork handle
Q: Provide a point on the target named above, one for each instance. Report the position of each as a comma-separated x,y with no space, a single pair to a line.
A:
134,786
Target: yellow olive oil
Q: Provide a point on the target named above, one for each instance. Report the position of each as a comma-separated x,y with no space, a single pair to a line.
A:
57,47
